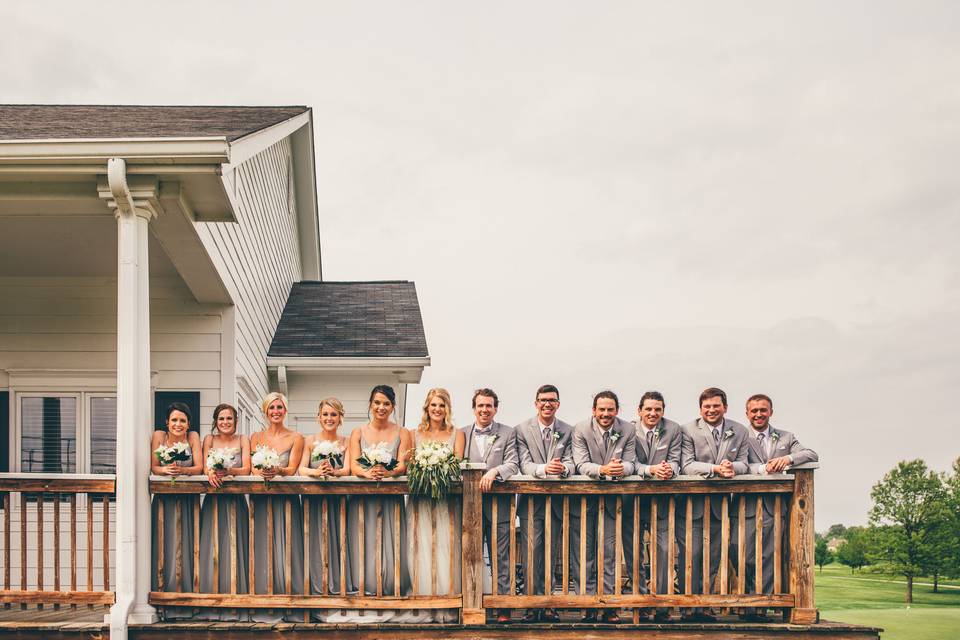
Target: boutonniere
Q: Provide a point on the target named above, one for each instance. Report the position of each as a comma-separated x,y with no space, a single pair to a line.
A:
614,436
658,432
775,436
728,434
493,438
556,436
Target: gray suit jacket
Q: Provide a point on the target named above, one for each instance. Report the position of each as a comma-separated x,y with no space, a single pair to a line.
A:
531,452
699,452
667,444
589,453
501,454
784,443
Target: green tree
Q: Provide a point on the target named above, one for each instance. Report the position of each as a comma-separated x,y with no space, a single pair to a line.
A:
836,531
951,564
852,552
821,554
907,510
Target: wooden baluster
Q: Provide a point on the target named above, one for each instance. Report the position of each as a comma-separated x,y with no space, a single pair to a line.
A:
688,556
600,533
758,549
56,544
178,532
494,539
513,548
325,549
343,546
618,545
637,554
802,548
707,556
671,545
433,548
742,546
308,503
416,552
396,549
269,557
23,544
40,523
583,545
215,508
233,533
724,544
565,545
653,544
378,549
250,549
105,502
90,543
451,542
361,547
288,545
777,545
547,547
6,544
73,543
472,548
528,569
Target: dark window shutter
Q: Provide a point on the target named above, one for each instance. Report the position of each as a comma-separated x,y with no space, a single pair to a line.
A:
162,400
4,431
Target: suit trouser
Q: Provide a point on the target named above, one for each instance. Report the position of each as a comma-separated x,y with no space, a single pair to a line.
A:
696,574
533,570
501,555
609,543
750,551
661,580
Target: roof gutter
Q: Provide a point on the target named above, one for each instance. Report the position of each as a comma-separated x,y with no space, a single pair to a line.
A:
164,151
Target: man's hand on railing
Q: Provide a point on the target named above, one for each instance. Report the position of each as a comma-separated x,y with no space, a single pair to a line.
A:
661,471
777,465
554,467
613,469
724,469
487,480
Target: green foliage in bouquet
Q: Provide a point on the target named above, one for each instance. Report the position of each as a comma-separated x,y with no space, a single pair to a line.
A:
433,468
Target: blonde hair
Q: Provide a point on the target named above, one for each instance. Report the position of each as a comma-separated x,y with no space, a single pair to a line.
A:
267,401
334,404
444,395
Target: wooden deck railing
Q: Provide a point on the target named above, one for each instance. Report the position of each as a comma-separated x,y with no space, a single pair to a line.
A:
792,566
51,539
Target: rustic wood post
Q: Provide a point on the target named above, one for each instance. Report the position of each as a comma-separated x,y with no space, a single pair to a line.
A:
802,548
471,562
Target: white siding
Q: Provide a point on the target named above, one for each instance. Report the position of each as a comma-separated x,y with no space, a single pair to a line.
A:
352,389
258,259
71,323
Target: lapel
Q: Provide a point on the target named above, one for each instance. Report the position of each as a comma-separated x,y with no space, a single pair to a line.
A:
642,442
597,440
533,431
707,433
491,439
757,449
724,440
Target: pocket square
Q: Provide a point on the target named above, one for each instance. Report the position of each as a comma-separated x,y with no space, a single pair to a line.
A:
661,447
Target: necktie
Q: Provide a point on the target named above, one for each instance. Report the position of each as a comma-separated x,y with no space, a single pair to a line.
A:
763,447
649,439
606,440
546,440
716,437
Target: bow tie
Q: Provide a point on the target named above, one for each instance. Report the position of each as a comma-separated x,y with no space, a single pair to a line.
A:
482,432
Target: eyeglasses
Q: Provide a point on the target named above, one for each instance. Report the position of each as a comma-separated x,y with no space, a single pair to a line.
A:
548,401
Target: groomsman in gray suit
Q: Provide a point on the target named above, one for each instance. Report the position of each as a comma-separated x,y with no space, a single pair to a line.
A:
494,444
659,442
545,446
713,447
770,450
604,448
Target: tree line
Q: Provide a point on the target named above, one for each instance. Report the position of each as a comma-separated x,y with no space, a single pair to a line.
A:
913,530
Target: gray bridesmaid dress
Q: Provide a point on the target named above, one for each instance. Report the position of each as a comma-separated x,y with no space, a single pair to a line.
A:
333,543
225,505
282,505
168,503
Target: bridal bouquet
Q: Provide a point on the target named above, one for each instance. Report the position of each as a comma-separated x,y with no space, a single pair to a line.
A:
433,468
265,458
174,453
218,459
378,454
329,450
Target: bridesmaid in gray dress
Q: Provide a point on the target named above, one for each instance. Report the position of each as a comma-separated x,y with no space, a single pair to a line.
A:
330,418
177,430
289,445
235,448
379,431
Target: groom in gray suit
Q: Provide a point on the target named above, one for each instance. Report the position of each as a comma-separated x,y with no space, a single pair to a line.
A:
770,450
604,448
545,446
713,447
659,442
495,445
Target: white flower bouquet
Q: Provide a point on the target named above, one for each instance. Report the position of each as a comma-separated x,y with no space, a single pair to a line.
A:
265,458
221,459
329,450
174,453
378,454
433,468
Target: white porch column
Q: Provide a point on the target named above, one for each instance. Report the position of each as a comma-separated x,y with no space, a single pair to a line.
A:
134,209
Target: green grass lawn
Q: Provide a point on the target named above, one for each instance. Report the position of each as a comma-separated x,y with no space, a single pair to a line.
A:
877,600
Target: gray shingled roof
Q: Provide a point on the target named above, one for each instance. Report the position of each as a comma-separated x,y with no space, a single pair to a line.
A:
53,122
351,319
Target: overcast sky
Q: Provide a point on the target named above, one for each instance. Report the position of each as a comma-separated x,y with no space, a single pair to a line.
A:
758,196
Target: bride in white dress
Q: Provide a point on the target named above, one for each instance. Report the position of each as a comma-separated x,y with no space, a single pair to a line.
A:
429,520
